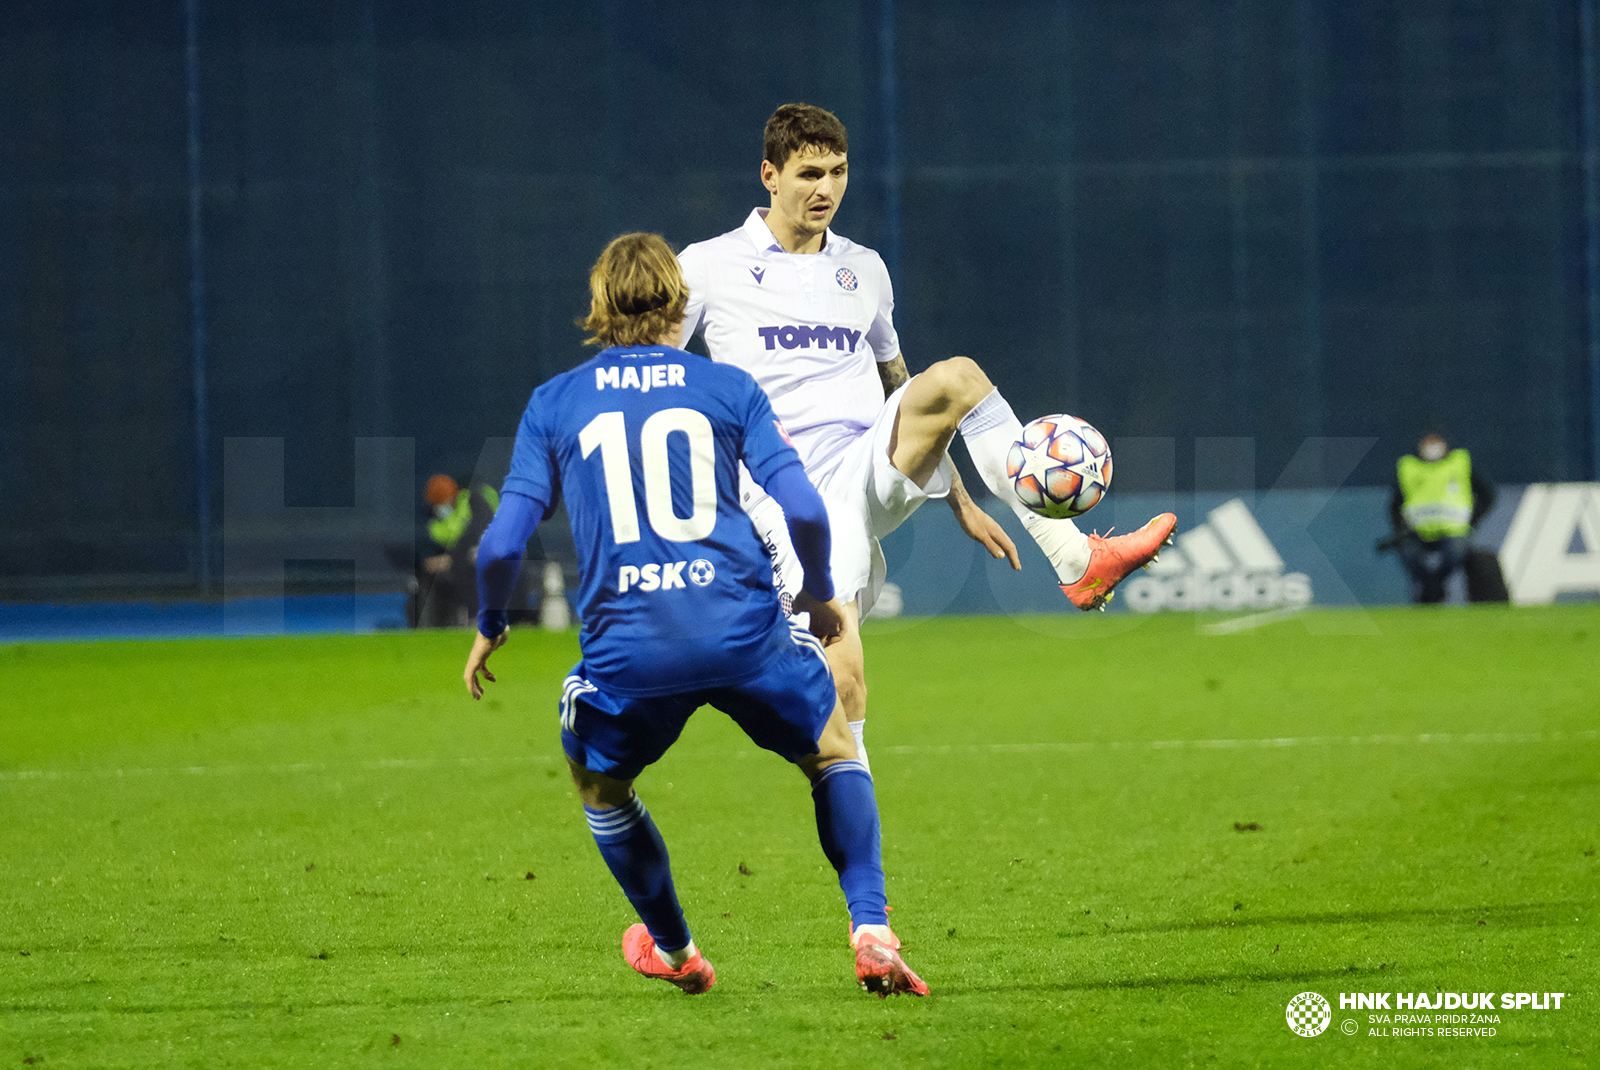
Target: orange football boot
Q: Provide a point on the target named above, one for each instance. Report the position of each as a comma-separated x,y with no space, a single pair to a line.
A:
1111,559
882,971
639,948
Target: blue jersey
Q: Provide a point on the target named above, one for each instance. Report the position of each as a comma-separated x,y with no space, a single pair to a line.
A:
675,589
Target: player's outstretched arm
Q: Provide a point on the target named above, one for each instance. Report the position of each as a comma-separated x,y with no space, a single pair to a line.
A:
499,562
478,661
500,557
982,528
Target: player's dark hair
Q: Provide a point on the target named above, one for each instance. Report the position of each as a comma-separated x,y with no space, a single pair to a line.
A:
795,127
636,292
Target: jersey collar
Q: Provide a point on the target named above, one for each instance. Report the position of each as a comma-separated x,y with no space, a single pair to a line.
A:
623,352
760,235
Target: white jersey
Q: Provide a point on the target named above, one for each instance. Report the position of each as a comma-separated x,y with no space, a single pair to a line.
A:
810,328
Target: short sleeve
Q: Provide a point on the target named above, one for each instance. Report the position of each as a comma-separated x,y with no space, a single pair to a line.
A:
533,460
881,335
692,261
766,444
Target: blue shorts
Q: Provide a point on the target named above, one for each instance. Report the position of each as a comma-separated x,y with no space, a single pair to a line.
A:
783,710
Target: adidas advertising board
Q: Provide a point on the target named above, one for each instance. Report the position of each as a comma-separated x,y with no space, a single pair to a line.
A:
1552,547
1227,562
1266,550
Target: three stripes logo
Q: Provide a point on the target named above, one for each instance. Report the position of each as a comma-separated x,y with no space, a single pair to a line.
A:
805,640
612,826
574,688
1225,563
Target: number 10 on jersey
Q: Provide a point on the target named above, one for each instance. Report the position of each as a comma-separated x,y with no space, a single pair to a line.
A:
609,432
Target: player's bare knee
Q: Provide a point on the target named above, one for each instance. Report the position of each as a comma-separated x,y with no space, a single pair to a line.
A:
961,383
597,790
849,665
850,680
852,688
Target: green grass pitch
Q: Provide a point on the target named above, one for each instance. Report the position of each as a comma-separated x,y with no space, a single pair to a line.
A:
1110,841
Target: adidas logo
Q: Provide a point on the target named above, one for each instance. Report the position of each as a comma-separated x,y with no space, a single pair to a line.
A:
1226,563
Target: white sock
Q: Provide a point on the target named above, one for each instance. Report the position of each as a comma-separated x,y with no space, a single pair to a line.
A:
676,959
857,729
880,931
989,431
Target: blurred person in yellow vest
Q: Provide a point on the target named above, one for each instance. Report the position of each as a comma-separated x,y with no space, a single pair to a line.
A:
454,517
1436,501
458,517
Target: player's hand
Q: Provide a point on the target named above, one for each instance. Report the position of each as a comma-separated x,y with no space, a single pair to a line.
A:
985,530
827,618
478,661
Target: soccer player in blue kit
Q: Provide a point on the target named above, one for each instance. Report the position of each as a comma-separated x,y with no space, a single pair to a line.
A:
677,601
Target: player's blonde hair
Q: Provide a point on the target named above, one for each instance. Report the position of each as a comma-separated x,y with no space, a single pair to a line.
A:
636,292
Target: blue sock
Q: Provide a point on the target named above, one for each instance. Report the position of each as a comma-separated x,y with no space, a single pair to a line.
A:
637,857
847,824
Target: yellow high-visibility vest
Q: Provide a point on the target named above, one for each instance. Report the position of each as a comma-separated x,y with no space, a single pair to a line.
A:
1437,494
447,530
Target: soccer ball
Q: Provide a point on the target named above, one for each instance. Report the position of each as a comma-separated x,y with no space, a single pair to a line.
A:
1061,467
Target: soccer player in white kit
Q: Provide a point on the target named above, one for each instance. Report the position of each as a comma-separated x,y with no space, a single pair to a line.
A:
810,315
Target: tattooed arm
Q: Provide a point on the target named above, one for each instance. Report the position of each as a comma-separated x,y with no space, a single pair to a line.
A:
893,373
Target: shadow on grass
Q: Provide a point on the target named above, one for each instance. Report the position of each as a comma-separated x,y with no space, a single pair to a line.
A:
1527,915
297,1007
1517,915
1257,977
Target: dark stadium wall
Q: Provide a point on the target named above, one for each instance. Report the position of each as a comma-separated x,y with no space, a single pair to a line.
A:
1270,221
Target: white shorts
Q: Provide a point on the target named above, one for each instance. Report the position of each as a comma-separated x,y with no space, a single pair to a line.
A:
867,498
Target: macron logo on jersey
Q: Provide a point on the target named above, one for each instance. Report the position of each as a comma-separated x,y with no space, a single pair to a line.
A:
843,338
643,378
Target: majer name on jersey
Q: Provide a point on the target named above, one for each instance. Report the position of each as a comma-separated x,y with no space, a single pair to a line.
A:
643,377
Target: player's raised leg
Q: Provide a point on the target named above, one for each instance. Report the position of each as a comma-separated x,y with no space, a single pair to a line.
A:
955,395
661,946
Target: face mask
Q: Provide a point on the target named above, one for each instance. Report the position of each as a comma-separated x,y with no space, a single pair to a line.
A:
1433,450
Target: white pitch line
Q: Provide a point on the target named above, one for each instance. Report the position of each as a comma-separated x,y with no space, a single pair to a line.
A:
298,767
1420,739
1254,620
1424,738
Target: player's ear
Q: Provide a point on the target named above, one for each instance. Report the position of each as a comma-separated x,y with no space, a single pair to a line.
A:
769,176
